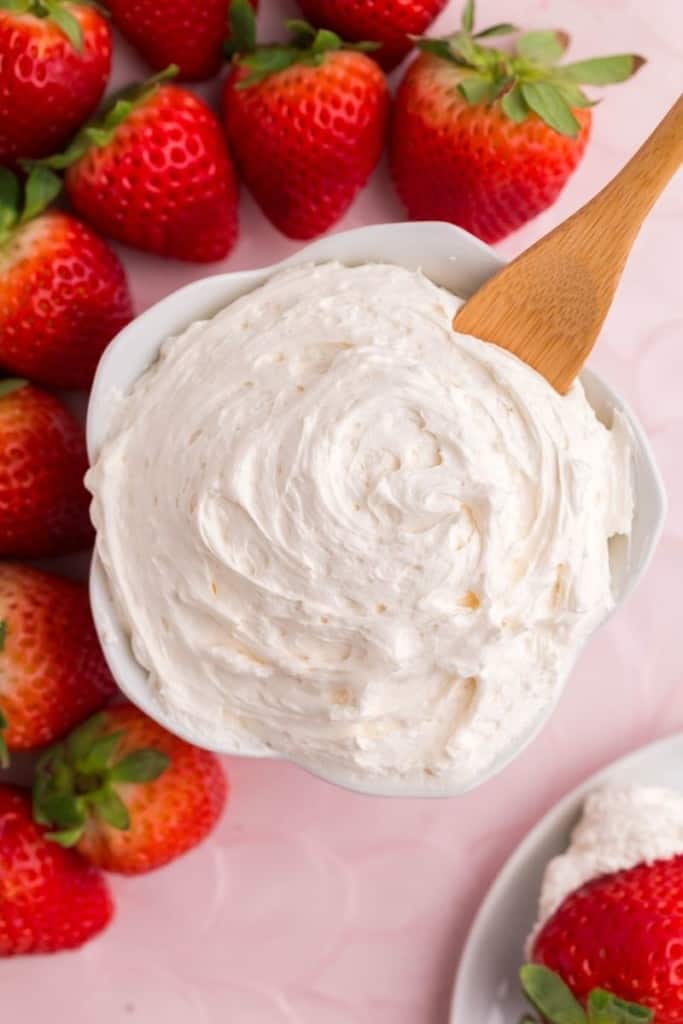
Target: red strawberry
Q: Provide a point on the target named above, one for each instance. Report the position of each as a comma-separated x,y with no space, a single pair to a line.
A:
52,672
63,292
188,33
136,797
54,64
43,503
306,123
155,173
50,899
389,22
622,932
487,139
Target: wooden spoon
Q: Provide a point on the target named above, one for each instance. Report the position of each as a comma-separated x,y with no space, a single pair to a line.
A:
549,304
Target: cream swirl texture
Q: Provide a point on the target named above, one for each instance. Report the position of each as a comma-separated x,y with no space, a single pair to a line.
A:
339,531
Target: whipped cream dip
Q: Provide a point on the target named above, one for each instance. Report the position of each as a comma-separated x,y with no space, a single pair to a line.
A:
337,530
620,828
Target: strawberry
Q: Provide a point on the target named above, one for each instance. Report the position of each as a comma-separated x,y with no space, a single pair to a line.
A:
487,139
52,672
393,23
63,292
188,33
305,121
43,503
154,173
547,993
50,899
622,932
127,793
55,59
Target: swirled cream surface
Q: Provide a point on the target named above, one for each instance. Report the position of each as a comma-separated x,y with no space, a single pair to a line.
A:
339,531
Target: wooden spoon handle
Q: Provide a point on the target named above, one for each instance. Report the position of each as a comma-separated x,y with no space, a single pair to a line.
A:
613,218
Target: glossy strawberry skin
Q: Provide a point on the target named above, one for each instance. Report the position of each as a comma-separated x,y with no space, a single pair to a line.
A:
51,899
307,139
47,88
43,502
390,22
471,165
624,933
168,816
164,182
63,297
188,33
52,671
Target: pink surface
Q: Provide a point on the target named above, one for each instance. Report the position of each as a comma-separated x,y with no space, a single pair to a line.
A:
316,906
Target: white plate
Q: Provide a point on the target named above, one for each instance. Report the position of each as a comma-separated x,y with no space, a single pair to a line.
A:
486,987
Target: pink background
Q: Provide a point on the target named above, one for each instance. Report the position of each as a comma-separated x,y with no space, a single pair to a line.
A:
311,905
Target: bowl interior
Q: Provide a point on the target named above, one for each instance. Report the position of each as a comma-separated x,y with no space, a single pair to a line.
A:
454,260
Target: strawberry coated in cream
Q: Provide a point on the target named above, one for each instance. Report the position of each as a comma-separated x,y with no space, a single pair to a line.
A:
340,532
620,827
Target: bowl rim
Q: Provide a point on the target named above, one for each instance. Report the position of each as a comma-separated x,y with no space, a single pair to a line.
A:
111,632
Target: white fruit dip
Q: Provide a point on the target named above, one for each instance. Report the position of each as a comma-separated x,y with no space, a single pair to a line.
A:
339,531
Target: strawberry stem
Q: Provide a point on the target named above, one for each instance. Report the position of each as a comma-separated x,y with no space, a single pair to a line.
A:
78,778
307,45
51,10
554,1000
42,186
101,130
7,387
528,79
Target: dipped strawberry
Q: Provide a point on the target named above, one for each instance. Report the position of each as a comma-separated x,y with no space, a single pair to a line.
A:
135,797
486,138
612,905
43,502
55,60
306,122
51,899
155,174
188,33
52,672
63,291
392,23
622,932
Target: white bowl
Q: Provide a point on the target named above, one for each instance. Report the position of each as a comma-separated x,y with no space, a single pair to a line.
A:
450,257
